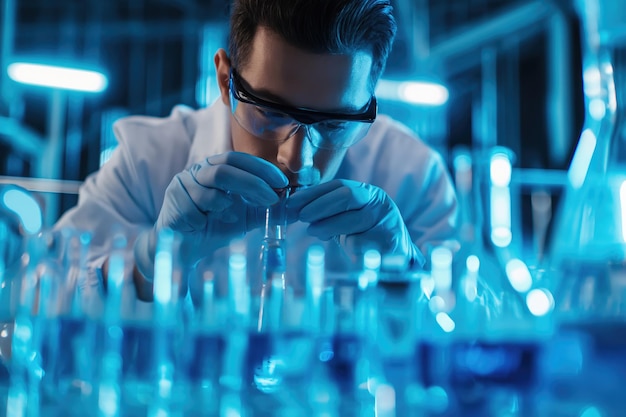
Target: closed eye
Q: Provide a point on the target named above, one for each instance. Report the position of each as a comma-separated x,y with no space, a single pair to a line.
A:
272,114
333,125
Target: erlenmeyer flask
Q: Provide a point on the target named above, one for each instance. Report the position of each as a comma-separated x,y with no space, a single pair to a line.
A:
588,250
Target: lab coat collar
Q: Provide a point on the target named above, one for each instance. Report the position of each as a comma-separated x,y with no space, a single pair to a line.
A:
212,134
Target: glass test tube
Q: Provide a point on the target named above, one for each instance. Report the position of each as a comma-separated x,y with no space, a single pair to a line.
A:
273,263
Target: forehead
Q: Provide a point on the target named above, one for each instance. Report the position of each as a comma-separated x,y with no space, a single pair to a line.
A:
300,78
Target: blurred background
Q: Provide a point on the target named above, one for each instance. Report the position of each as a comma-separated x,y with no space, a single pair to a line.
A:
498,72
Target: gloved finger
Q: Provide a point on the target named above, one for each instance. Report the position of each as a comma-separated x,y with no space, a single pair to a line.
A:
205,199
234,180
306,195
256,166
342,199
358,243
242,216
346,223
179,211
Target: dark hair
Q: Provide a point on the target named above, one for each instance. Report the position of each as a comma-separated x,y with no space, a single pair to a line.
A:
317,26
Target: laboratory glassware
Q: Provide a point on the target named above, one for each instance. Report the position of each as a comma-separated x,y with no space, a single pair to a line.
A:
587,271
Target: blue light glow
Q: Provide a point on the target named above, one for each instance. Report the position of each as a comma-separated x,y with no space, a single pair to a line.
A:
472,263
237,270
437,304
500,215
500,170
445,322
591,412
582,158
237,262
592,82
501,236
108,399
441,261
315,269
25,206
597,108
462,162
371,259
58,77
163,267
470,281
315,256
385,401
540,302
415,92
519,275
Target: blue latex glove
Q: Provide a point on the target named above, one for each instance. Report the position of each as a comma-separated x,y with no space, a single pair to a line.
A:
213,202
363,216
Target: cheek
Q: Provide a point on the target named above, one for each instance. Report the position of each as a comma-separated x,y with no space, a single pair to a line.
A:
328,162
324,161
245,142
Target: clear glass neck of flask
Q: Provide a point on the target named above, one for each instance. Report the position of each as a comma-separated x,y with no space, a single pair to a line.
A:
604,86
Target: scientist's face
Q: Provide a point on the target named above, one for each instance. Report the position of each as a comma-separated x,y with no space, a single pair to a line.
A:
276,84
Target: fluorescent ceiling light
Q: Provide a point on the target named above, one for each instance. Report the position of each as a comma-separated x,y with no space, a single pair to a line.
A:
415,92
57,77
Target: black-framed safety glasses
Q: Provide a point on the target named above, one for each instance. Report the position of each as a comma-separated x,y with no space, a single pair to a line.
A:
278,122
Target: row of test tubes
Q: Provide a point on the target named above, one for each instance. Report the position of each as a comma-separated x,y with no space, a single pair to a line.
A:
386,342
472,334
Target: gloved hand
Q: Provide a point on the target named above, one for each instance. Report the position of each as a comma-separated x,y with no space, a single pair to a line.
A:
363,216
213,202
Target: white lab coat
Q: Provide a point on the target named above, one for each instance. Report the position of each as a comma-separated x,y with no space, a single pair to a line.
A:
128,190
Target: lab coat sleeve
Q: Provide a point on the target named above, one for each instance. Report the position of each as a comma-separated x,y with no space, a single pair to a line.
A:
127,192
434,220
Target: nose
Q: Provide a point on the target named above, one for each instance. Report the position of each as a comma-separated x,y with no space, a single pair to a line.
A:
296,153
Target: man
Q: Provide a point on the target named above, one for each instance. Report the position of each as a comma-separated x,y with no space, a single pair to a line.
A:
296,108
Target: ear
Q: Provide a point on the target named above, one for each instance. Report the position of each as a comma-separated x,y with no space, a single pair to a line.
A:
222,69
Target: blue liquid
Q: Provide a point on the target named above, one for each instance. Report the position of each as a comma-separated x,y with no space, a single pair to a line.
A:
205,358
502,363
277,372
473,372
273,357
512,364
595,366
70,349
340,354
